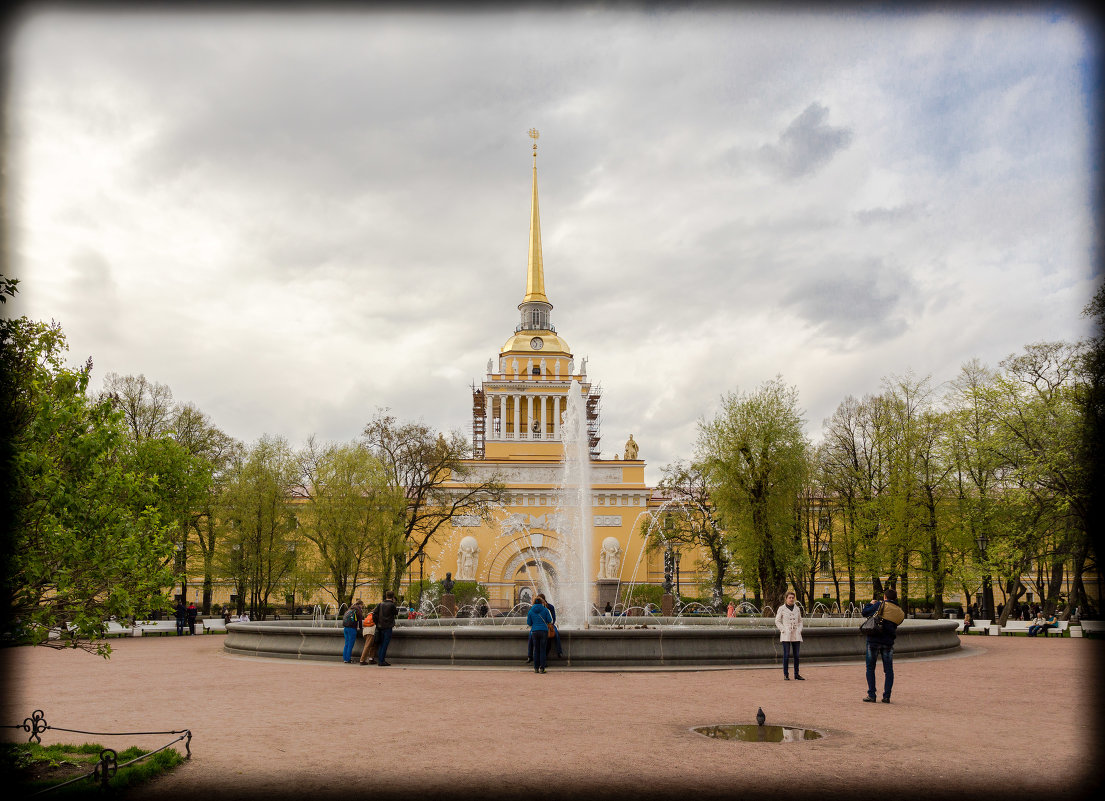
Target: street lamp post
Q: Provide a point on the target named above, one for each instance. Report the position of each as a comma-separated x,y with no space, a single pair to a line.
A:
421,564
987,587
669,566
678,596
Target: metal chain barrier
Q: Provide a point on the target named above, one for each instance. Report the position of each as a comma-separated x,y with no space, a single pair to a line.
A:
108,764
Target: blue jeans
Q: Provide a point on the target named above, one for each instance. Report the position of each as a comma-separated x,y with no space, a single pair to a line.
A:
787,647
350,641
383,636
873,651
540,655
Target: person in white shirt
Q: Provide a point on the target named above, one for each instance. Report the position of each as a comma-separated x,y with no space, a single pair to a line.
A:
789,622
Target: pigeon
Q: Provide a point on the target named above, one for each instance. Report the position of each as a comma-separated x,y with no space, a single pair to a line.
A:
760,716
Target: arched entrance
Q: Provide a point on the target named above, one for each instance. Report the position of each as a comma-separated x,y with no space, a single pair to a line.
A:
531,577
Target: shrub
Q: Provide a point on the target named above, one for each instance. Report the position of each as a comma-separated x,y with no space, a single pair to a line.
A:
642,594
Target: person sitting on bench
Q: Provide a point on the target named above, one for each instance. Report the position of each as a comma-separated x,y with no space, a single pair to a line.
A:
1041,625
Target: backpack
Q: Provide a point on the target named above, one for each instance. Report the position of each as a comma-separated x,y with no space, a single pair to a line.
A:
892,612
350,619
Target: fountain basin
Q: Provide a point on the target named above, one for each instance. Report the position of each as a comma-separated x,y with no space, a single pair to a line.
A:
664,642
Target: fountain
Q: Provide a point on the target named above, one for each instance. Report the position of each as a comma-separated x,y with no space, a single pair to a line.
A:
697,638
576,586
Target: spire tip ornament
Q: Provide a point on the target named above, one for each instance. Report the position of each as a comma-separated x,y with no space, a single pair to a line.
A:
535,273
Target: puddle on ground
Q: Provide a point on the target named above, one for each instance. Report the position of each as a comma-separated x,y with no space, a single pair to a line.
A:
751,733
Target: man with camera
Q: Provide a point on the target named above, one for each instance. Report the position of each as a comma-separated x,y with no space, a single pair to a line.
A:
880,642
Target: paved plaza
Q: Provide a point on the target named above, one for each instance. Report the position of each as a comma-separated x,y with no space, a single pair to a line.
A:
1005,717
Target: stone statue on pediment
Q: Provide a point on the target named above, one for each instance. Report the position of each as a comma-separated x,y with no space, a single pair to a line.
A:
631,449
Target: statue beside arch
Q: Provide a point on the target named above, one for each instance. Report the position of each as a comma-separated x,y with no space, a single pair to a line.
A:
610,558
468,559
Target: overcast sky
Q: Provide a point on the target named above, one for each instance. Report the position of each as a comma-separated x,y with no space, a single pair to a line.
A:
292,219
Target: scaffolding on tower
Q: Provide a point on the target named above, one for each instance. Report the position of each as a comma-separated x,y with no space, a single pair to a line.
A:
594,418
478,422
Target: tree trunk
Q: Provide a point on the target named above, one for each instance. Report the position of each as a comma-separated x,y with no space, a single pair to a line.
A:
1016,590
1055,585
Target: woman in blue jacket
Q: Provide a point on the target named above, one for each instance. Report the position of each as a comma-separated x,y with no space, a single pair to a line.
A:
538,618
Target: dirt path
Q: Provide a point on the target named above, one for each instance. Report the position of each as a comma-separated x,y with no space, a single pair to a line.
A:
967,726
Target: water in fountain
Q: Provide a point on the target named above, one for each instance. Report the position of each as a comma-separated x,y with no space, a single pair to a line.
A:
576,583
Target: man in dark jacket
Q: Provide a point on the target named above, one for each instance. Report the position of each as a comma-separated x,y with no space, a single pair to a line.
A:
384,615
193,613
181,613
880,642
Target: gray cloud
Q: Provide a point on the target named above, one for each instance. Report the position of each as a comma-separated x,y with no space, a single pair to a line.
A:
860,304
298,218
808,143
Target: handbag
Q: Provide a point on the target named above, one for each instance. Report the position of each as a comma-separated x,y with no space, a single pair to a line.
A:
873,624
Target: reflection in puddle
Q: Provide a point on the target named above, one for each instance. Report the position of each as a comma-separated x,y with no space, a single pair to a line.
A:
751,733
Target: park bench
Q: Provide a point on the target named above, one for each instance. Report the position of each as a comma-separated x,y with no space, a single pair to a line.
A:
974,629
117,629
213,624
1093,628
158,627
1058,631
978,627
1022,626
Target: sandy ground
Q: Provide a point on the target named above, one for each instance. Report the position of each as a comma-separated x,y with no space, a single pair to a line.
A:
1007,717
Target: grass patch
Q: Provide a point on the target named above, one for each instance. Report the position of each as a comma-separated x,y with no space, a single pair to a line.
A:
30,767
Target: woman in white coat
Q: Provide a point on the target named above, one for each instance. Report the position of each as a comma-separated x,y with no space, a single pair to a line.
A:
789,622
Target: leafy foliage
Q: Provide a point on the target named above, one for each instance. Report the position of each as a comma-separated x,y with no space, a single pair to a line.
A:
352,514
431,473
87,538
754,454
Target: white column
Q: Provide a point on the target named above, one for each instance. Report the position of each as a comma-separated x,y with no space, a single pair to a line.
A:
541,400
489,413
517,414
501,400
556,417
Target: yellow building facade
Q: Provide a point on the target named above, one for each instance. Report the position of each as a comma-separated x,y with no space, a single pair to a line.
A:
517,437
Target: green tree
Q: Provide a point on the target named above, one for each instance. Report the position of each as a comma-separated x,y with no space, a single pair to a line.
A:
689,518
1041,402
1093,448
754,454
84,539
262,538
977,483
352,514
178,442
203,440
147,406
432,474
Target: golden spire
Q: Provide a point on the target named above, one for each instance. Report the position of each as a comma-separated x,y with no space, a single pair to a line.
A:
535,273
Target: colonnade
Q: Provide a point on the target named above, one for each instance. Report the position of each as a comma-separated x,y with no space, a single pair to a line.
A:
526,409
